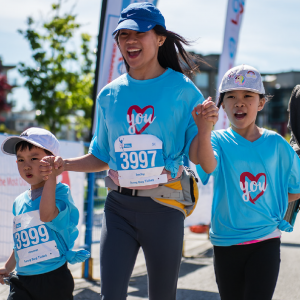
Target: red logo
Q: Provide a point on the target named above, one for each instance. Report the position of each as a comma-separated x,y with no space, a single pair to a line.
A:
139,118
253,186
64,178
236,22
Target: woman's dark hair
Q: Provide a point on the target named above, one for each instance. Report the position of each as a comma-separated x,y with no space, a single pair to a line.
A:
21,146
172,54
261,96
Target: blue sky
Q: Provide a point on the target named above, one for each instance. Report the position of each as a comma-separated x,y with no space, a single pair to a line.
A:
269,36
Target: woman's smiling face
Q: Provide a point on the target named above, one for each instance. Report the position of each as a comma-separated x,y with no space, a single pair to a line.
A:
139,49
241,107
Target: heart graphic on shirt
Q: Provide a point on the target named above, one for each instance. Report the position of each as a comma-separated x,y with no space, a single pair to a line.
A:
253,186
140,118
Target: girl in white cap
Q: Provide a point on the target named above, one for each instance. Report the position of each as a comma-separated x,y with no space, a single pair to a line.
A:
144,128
256,174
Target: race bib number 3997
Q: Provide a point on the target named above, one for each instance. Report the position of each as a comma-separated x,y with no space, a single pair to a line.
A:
34,242
139,160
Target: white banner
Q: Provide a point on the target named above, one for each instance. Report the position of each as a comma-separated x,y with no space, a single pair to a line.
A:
235,10
111,60
12,185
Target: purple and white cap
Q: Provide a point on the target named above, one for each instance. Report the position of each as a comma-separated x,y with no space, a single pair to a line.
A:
242,77
38,137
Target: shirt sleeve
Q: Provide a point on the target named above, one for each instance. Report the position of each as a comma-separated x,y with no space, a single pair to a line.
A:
66,221
99,146
192,130
294,177
14,209
217,153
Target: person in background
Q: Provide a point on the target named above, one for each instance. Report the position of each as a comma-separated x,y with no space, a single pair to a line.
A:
294,122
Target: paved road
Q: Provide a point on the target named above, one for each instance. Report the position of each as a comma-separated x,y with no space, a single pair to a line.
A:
196,278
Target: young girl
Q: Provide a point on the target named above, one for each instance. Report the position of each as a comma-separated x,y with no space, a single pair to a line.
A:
144,127
256,174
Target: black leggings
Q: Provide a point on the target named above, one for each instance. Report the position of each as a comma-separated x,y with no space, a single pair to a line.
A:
247,272
133,222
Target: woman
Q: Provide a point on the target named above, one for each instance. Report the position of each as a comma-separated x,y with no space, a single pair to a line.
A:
144,127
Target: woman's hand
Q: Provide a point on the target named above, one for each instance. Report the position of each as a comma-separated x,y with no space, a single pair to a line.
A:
51,165
206,115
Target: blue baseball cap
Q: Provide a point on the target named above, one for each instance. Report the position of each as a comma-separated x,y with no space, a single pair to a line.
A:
140,17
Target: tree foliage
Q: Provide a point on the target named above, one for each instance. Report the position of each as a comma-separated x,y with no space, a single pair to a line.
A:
61,81
5,88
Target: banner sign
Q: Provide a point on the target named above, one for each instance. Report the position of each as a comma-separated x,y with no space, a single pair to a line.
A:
235,10
111,63
12,185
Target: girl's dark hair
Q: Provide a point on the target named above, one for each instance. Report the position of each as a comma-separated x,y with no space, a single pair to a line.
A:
21,146
172,54
261,96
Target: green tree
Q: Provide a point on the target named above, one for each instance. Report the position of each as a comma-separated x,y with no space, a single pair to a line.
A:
61,81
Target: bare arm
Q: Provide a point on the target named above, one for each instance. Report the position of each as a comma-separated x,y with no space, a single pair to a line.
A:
87,163
8,267
293,197
201,151
48,209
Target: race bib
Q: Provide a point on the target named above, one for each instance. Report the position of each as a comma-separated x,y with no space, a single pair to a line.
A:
139,160
34,242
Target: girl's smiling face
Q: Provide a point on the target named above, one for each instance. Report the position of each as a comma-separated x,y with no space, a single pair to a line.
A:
140,49
241,107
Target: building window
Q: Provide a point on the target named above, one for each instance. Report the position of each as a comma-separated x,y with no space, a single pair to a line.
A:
201,80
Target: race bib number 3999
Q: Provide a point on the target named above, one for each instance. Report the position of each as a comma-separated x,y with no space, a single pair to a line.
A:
139,160
34,242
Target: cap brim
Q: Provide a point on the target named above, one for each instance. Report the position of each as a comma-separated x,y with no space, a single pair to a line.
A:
9,145
136,25
241,88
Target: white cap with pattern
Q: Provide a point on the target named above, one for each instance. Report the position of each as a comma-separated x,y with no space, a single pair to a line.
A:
242,77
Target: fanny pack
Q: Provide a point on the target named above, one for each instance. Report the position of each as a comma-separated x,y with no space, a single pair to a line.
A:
184,190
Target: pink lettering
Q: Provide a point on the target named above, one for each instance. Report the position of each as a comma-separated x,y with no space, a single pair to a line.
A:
2,182
12,182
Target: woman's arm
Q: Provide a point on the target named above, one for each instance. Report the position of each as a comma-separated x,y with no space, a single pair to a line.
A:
293,197
87,163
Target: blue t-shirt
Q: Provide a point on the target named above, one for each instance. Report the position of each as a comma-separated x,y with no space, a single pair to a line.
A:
36,241
251,185
160,107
